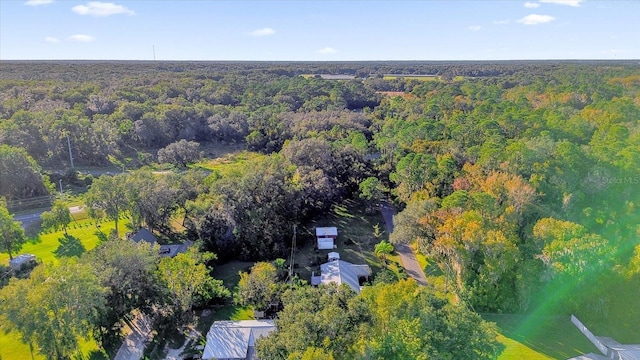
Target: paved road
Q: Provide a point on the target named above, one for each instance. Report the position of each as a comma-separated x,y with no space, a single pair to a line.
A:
32,217
407,257
28,219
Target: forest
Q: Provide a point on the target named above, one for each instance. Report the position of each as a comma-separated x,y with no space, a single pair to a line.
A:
517,181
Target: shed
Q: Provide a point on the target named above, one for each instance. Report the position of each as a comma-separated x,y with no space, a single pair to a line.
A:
17,262
326,237
333,256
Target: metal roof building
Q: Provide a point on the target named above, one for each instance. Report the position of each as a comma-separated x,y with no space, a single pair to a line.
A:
232,340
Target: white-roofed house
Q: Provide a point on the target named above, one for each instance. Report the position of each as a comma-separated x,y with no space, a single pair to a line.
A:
232,340
342,272
326,237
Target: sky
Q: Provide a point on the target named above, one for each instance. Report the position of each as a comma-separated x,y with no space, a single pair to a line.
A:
330,30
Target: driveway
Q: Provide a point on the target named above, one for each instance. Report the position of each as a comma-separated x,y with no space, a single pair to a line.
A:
407,257
133,345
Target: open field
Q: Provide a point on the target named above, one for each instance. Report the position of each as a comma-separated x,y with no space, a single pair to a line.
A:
228,164
412,77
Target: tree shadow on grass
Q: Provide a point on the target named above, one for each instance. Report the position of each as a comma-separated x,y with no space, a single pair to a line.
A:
69,246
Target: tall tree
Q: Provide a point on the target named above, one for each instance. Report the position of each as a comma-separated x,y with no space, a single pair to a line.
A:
54,307
412,322
129,272
58,217
258,287
318,317
106,197
21,176
188,282
11,234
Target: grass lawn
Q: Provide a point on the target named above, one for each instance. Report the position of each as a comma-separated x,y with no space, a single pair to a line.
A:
355,238
543,337
12,348
229,272
230,163
49,248
83,236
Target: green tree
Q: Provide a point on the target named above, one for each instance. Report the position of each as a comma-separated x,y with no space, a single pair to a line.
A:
313,317
11,234
58,217
412,174
21,176
53,308
408,321
259,287
568,250
372,190
188,282
106,198
129,272
311,353
382,250
180,153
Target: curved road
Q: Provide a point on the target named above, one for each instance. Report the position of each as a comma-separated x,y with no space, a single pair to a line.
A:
407,257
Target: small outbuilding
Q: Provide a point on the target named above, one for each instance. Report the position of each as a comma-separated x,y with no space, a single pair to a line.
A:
21,260
326,237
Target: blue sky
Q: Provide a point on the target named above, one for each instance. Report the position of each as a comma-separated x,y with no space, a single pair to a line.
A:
319,30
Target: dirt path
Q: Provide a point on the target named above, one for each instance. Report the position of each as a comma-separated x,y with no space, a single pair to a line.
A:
407,257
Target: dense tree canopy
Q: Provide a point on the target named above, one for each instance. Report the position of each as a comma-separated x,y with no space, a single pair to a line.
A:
513,178
386,321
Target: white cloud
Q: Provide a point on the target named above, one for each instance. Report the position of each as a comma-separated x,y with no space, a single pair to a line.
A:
535,19
531,5
262,32
327,50
51,40
101,9
81,38
574,3
475,28
502,22
38,2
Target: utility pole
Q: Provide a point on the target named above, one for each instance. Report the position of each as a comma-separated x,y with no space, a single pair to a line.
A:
292,260
70,154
